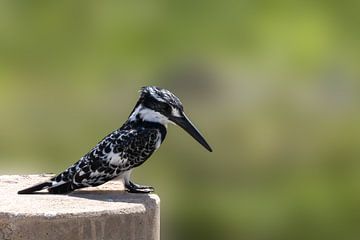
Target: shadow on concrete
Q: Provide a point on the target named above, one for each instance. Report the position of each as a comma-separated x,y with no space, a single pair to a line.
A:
113,196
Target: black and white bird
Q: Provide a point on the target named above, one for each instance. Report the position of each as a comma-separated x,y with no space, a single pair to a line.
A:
127,147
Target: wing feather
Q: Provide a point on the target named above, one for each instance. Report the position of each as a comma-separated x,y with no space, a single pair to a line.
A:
113,155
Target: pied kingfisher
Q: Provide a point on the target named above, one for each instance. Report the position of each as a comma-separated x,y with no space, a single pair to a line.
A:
127,147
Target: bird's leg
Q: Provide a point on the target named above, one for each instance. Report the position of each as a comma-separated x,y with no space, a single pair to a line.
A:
135,188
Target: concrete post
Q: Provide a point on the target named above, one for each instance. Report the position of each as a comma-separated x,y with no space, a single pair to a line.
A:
104,213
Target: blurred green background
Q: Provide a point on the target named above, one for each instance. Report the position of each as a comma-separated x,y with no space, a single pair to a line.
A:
273,85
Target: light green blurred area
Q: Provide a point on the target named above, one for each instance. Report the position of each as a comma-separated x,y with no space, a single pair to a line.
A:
273,85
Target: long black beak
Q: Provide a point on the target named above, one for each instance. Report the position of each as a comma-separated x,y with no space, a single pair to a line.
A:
187,125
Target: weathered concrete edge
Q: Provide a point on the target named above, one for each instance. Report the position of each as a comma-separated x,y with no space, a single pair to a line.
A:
135,208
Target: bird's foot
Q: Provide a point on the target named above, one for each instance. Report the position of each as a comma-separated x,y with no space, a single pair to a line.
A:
136,188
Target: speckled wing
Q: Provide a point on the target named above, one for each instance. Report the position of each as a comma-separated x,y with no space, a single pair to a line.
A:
116,153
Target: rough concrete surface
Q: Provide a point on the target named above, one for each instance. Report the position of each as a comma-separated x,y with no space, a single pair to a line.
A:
105,212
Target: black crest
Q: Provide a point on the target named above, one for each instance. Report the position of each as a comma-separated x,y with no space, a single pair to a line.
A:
160,95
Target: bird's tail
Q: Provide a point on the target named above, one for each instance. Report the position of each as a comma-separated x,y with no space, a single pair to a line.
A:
62,188
52,187
36,188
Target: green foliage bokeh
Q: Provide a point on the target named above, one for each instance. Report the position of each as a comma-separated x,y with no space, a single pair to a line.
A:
273,85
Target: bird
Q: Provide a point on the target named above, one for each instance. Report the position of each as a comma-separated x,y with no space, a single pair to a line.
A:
126,148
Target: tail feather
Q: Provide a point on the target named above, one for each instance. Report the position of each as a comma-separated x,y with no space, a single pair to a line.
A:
65,187
61,188
35,188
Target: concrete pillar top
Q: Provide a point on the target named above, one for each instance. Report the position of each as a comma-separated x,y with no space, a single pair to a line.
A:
123,214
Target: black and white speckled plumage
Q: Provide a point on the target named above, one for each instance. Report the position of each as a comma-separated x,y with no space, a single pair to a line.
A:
117,153
124,149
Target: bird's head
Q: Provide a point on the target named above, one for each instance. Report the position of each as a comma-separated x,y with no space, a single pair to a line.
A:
161,106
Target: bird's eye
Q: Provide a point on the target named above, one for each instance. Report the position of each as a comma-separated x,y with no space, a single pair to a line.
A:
166,108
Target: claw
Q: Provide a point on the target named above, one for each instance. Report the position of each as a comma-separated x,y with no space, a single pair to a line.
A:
135,188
